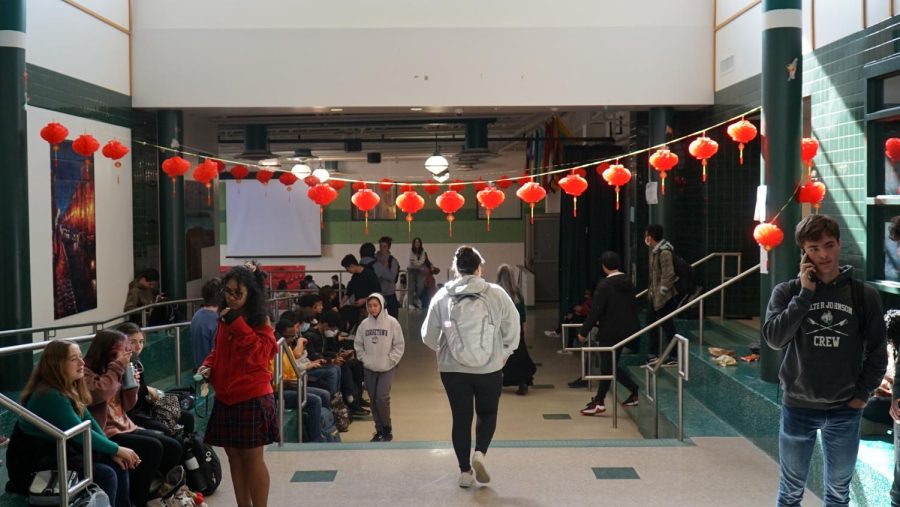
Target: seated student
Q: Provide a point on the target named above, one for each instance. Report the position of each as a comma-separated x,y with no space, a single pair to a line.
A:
319,372
318,400
329,299
142,292
878,407
142,412
574,316
105,362
336,284
312,303
363,282
310,283
56,392
324,343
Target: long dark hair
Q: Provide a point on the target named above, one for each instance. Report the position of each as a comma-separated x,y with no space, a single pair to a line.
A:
417,251
254,310
892,325
99,354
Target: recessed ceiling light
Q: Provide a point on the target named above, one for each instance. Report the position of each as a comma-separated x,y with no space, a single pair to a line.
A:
415,109
337,109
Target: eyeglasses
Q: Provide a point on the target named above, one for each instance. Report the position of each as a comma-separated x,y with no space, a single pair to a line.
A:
237,293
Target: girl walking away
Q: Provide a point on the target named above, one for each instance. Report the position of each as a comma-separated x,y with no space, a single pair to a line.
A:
416,271
243,417
519,369
474,327
379,345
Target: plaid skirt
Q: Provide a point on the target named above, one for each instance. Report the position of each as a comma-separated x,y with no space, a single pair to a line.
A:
244,425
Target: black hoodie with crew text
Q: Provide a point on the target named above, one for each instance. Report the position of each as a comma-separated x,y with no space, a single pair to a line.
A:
828,361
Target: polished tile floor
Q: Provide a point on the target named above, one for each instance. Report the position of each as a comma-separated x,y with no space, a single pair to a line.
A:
544,454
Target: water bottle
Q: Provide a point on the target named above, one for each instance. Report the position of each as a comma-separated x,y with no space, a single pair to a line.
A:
128,381
196,478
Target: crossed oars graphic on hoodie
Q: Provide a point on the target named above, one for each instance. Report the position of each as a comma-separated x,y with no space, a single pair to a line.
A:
820,328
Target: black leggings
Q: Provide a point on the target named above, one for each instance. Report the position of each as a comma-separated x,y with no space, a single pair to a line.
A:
461,389
158,453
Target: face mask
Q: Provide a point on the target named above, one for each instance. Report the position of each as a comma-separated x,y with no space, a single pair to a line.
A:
304,327
330,333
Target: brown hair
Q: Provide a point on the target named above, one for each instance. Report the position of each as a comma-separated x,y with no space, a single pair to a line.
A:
815,227
48,374
99,353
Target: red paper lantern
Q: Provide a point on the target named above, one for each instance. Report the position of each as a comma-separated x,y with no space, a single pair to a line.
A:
263,176
809,147
602,166
456,185
337,184
617,176
385,185
503,183
114,150
220,166
287,179
311,181
205,172
450,202
702,149
239,172
358,185
574,185
531,193
490,198
431,187
407,187
366,200
85,145
892,149
742,132
580,172
768,235
479,185
54,133
323,195
175,167
663,161
410,202
524,179
813,192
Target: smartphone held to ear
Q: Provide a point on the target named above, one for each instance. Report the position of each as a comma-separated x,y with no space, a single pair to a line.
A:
804,259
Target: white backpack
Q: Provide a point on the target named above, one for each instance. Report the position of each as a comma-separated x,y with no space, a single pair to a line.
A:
468,329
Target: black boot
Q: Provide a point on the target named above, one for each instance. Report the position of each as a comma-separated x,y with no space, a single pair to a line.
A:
522,390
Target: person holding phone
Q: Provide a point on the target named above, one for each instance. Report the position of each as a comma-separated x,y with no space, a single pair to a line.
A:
833,334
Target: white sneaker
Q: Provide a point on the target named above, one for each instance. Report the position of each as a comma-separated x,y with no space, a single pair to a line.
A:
564,352
481,473
466,479
551,334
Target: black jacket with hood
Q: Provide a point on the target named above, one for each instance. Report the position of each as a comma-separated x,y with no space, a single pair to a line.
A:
828,360
613,310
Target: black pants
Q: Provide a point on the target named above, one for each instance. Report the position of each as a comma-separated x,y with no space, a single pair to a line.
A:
621,374
461,389
667,328
392,305
158,453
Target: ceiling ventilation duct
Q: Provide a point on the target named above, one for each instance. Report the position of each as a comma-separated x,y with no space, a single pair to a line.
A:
476,147
256,144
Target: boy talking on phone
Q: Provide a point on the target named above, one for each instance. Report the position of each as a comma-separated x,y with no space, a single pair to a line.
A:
831,328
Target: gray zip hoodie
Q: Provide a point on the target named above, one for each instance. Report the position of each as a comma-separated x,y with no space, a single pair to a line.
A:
827,363
503,311
379,340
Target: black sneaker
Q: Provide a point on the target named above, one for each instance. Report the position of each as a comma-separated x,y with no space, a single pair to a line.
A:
522,390
578,383
632,400
387,437
378,437
365,403
359,411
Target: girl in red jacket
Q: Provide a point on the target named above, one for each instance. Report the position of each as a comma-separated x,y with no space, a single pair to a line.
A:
243,416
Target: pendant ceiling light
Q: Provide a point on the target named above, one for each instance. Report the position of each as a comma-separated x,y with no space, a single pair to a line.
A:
436,163
321,174
301,170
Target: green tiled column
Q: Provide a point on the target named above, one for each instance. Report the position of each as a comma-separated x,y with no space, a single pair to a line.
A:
662,213
15,290
782,79
170,129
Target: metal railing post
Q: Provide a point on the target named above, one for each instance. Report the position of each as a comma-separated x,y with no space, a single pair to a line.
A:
722,293
279,379
655,408
178,356
61,463
700,324
615,392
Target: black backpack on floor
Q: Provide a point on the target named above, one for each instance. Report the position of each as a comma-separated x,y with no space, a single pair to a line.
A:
202,465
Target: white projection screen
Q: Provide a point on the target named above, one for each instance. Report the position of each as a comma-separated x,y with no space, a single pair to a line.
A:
279,224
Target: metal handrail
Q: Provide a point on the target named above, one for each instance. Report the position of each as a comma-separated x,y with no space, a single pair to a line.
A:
95,325
61,437
301,390
614,348
722,276
683,374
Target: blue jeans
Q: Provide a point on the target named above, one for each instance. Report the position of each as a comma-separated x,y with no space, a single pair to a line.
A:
327,377
840,444
113,481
